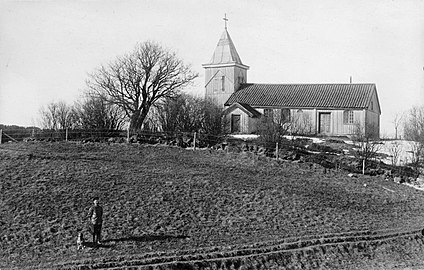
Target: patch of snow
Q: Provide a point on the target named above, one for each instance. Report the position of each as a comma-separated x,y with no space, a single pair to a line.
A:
385,147
314,140
403,148
415,186
245,136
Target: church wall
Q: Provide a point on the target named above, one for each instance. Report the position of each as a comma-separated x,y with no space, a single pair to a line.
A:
253,125
221,82
245,121
214,85
303,121
373,122
374,104
240,76
339,127
306,121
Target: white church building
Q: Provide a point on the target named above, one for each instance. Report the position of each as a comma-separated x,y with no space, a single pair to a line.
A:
321,109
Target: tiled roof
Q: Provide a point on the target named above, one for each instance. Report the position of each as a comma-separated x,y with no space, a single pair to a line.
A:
304,95
245,107
225,51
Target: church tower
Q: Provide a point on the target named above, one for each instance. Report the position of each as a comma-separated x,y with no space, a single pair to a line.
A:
225,72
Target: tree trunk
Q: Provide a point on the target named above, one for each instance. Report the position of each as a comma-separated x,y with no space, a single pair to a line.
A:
138,118
133,121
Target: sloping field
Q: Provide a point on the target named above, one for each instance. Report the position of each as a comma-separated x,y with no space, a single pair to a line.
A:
165,204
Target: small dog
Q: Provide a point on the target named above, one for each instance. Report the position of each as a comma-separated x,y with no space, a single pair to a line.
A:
80,241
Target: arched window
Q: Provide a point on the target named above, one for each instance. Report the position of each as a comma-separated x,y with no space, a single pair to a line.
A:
348,117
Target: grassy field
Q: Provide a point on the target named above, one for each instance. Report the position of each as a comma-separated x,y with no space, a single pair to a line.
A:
162,199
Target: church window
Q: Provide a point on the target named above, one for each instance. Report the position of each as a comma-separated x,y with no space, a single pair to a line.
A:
223,83
216,84
348,117
285,115
372,106
268,113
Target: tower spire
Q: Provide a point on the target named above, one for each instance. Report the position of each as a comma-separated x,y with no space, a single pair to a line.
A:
225,20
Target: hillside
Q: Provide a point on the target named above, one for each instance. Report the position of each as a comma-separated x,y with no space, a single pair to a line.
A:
167,199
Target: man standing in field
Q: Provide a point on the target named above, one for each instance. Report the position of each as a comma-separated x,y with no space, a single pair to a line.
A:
95,215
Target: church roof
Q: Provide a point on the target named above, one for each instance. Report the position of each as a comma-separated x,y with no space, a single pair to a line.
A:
353,96
225,52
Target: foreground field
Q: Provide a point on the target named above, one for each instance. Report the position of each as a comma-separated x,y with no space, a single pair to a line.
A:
171,201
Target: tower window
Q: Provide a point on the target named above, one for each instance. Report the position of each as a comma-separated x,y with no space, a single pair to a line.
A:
223,83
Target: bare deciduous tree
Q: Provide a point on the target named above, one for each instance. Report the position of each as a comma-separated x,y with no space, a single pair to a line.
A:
272,129
56,115
395,150
213,122
95,112
186,113
135,82
180,114
397,120
364,139
64,112
301,123
414,131
48,116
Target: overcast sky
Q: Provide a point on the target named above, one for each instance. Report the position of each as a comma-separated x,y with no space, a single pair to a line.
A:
47,48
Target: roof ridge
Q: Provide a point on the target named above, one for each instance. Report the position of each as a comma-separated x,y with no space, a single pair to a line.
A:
308,83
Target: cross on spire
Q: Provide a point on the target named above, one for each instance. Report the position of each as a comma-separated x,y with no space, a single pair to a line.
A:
225,20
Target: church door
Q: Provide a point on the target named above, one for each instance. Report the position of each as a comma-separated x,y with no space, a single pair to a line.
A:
235,123
324,123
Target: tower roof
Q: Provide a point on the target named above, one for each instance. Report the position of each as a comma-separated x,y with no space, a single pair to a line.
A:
225,52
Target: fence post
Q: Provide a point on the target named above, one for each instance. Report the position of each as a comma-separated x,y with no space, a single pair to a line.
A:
276,151
128,134
194,141
66,134
1,133
363,166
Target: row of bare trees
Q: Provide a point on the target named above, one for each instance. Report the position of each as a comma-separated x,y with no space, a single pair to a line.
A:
182,113
414,131
142,88
92,112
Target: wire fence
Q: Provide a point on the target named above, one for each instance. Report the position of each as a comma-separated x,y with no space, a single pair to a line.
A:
228,142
